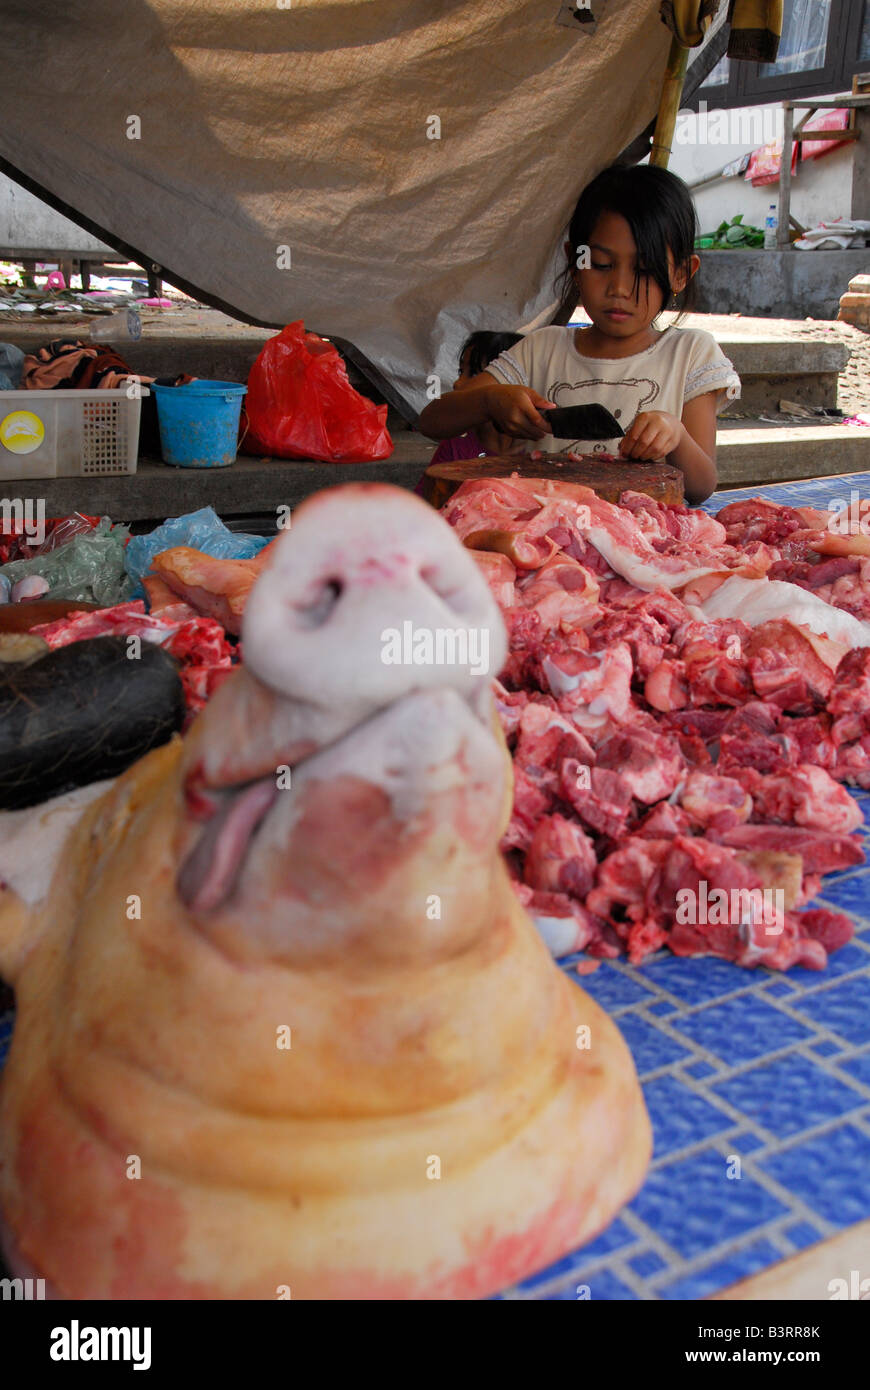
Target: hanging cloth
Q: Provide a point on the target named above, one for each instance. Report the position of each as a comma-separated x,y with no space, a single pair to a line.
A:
756,26
688,20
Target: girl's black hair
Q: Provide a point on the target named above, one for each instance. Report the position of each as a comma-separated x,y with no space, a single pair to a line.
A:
484,348
658,208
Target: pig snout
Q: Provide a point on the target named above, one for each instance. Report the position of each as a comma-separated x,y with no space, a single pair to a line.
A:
370,622
368,597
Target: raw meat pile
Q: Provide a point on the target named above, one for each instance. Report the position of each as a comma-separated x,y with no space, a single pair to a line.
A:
198,644
684,697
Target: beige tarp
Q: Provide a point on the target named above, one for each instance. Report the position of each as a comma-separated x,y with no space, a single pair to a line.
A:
306,124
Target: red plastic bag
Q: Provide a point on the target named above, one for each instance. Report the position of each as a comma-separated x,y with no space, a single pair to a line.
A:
300,404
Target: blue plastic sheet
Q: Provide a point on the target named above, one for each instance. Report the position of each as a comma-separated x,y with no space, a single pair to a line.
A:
203,530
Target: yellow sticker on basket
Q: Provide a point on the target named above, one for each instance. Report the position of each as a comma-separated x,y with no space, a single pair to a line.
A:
21,432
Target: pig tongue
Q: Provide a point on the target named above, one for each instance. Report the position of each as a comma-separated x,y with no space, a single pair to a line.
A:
209,872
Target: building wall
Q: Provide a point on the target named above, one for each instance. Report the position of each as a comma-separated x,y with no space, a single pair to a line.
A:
821,189
28,224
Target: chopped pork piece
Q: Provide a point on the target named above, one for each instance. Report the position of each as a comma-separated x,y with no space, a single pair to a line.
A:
716,674
510,705
706,724
544,740
626,876
821,853
812,740
663,821
803,795
593,684
783,658
561,858
564,923
852,764
616,535
851,592
852,693
530,804
499,574
714,801
649,764
790,666
599,796
674,522
828,572
758,520
561,592
666,687
777,870
831,929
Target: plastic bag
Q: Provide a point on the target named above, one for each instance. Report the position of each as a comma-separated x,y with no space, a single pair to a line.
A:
17,544
87,569
300,404
203,530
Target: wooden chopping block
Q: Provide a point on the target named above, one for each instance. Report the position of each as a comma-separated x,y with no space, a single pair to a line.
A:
609,477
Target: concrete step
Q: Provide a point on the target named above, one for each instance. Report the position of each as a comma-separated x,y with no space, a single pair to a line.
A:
754,451
778,359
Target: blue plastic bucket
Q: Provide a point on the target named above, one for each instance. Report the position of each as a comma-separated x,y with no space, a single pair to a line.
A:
199,422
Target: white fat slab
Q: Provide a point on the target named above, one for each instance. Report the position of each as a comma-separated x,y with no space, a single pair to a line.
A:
32,840
759,601
642,572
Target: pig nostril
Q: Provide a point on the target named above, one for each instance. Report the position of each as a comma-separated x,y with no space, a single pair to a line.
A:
315,611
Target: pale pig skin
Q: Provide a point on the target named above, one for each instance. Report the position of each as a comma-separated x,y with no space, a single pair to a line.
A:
433,1129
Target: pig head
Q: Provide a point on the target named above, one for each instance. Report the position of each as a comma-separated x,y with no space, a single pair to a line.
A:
283,1028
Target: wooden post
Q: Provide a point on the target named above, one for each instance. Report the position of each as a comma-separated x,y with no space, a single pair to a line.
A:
669,104
861,150
782,231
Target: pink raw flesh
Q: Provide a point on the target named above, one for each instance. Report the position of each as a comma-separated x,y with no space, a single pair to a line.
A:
713,716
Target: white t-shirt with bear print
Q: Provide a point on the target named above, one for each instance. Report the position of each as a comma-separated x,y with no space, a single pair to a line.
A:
681,364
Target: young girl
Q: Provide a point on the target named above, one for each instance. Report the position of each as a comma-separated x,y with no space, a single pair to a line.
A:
630,251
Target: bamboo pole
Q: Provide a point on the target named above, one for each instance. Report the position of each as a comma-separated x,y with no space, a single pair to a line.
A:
669,103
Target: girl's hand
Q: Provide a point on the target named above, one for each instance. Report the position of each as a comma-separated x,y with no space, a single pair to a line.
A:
514,411
497,444
652,435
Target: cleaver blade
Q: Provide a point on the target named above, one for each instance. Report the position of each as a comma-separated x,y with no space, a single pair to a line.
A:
582,422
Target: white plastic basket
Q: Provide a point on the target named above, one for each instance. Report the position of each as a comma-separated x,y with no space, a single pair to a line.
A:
65,434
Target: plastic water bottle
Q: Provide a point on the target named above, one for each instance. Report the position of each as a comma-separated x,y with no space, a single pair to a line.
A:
771,222
124,327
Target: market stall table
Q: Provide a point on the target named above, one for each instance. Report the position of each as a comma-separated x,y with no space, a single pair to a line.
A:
758,1086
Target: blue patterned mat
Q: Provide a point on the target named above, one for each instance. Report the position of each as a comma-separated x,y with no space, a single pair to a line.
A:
758,1086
